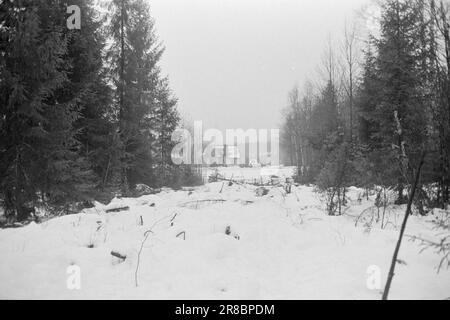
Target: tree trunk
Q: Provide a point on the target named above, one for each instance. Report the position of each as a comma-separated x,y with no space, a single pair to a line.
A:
402,231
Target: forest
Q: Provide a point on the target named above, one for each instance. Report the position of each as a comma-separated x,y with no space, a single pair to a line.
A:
84,113
382,106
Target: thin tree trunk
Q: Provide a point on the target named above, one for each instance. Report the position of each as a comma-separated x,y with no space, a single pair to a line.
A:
107,172
122,94
402,231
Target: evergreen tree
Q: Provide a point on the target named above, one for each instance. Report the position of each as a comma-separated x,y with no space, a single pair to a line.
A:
36,132
88,86
165,119
147,114
367,98
399,114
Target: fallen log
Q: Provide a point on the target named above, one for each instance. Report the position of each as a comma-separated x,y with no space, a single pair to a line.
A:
119,209
118,255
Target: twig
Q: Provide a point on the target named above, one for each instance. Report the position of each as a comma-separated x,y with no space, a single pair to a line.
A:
442,248
173,219
146,235
183,233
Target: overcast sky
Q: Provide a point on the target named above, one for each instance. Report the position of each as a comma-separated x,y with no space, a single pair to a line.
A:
231,63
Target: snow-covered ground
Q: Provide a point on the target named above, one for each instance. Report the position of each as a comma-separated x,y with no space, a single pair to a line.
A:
278,247
253,174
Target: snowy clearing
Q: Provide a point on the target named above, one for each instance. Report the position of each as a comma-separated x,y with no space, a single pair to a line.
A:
208,244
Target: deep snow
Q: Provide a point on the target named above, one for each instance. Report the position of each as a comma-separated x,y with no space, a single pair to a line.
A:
279,247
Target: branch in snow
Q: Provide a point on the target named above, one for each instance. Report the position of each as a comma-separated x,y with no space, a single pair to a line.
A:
118,255
146,235
182,234
441,248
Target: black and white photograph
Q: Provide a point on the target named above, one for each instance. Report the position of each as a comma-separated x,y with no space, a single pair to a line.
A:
225,150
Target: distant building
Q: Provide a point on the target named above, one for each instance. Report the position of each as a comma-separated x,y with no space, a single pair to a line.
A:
231,154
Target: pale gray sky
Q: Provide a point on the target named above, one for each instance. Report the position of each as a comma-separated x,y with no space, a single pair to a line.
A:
231,63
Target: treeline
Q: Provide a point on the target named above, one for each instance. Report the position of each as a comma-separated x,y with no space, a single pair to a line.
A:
374,118
84,113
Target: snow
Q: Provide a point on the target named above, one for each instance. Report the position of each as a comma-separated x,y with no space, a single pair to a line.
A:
279,247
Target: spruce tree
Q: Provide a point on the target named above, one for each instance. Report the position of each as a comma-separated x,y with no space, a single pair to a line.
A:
165,119
36,134
146,109
399,113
